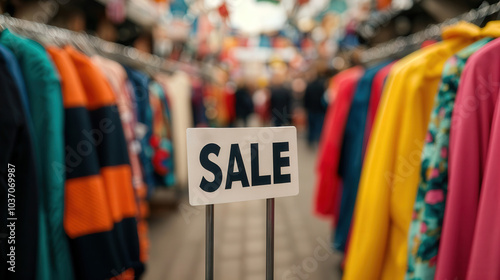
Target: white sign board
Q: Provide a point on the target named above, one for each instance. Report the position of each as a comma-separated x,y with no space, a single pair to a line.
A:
240,164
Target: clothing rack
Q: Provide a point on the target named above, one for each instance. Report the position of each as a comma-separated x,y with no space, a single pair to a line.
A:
92,45
402,44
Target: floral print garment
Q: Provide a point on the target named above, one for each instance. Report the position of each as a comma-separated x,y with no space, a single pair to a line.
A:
429,207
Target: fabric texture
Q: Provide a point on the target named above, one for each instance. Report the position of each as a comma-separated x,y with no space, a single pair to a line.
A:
469,147
378,245
484,257
341,89
428,211
351,155
17,157
15,71
45,102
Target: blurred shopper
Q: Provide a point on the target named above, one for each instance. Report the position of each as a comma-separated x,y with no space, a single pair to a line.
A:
281,100
315,106
243,103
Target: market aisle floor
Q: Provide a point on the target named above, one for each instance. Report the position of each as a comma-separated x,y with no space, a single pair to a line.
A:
301,244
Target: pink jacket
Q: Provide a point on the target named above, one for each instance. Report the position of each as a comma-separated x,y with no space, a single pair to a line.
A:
470,137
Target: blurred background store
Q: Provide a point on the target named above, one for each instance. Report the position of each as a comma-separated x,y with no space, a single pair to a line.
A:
101,93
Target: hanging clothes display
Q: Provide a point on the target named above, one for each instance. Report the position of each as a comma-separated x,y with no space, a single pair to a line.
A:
92,138
45,103
425,206
423,241
390,173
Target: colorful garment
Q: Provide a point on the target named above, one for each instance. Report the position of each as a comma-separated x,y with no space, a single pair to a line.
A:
375,96
341,92
470,144
485,251
351,155
144,125
428,211
178,91
161,138
378,246
122,88
119,231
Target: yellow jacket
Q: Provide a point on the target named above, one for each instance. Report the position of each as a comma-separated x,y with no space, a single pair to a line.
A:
389,180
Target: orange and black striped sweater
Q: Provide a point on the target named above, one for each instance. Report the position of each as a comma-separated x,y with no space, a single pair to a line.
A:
100,209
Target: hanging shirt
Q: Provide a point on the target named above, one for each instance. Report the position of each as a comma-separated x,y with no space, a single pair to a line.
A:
469,148
114,167
122,89
483,263
144,127
85,195
342,88
378,245
46,108
178,89
17,157
351,155
377,89
117,78
161,139
428,211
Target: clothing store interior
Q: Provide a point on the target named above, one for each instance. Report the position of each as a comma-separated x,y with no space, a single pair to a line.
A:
391,107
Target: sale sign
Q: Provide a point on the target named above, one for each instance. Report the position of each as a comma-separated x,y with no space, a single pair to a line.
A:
240,164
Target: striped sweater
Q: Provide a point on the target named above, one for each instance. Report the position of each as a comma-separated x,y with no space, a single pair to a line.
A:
100,208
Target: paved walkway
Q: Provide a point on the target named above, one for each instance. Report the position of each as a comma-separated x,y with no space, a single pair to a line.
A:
301,244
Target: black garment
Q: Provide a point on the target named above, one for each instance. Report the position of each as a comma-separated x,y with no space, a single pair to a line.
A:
281,105
313,97
243,103
16,148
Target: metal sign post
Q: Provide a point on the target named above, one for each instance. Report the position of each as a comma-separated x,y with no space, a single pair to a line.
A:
209,242
270,239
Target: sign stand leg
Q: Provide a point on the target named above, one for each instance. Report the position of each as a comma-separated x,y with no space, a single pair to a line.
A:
270,239
209,242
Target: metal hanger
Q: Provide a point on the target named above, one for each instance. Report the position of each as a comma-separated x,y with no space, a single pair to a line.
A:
398,45
92,45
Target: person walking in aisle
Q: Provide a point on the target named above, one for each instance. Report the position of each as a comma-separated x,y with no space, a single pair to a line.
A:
243,103
315,105
281,100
